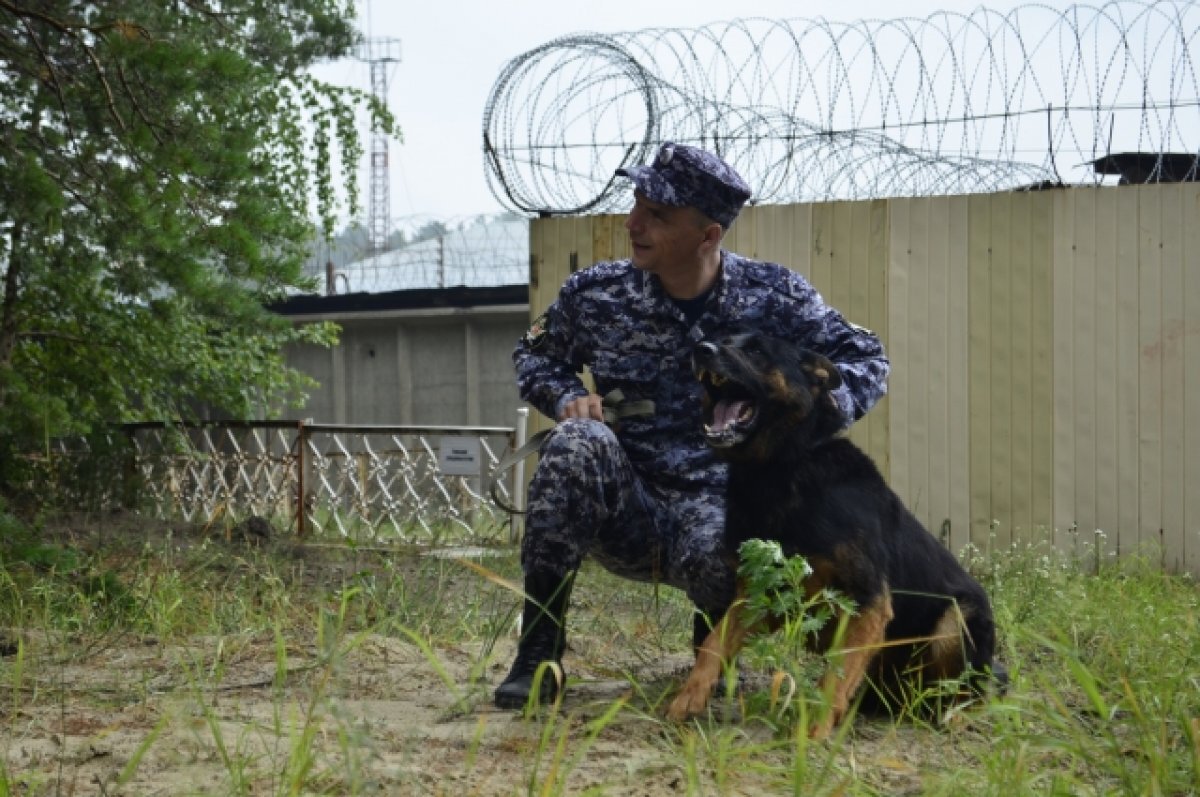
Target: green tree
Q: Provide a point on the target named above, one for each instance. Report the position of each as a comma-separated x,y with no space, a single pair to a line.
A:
161,162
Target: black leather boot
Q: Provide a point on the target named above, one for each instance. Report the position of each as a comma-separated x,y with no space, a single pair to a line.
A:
543,638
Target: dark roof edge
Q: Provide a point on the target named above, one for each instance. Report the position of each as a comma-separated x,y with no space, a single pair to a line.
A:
416,299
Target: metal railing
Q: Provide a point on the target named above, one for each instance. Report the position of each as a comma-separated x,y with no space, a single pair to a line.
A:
378,484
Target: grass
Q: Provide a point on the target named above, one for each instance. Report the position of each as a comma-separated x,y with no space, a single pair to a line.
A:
140,658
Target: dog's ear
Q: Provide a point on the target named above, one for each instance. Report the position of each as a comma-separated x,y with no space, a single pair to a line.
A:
820,370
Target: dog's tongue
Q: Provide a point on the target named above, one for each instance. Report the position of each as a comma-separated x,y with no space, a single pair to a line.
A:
725,413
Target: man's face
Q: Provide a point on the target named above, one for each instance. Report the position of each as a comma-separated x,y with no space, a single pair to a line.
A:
664,236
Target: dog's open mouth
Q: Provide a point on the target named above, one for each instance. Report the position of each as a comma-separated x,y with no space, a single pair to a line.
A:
730,414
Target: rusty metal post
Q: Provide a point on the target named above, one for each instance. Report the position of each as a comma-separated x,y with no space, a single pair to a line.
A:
301,498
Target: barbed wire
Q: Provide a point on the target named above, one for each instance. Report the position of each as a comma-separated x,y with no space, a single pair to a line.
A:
810,110
428,252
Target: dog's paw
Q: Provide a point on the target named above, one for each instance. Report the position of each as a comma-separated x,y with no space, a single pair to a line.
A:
821,729
691,701
825,723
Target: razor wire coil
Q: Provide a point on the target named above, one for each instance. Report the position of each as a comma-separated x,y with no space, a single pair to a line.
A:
811,110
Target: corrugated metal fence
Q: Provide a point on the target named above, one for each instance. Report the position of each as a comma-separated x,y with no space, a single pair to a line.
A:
1045,350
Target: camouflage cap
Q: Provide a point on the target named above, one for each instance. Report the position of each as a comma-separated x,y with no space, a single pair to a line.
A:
682,175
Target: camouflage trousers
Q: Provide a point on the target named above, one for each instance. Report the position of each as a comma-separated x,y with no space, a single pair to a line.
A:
585,499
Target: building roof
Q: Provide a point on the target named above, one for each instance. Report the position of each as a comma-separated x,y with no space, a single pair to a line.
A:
1150,167
461,297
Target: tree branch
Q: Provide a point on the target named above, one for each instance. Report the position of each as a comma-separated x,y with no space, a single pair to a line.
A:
137,107
52,77
72,32
24,14
8,303
34,334
99,68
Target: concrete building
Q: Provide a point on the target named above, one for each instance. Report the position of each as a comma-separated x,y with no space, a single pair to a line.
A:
427,334
416,357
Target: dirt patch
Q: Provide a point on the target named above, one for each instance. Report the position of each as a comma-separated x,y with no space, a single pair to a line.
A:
401,707
382,716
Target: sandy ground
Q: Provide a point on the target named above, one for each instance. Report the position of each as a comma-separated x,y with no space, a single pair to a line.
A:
379,719
117,714
134,720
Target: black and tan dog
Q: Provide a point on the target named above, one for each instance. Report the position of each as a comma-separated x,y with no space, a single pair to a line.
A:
919,616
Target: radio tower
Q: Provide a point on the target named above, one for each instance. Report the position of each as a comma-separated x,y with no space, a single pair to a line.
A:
380,54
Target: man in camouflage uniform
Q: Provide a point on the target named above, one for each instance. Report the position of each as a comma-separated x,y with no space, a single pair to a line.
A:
645,497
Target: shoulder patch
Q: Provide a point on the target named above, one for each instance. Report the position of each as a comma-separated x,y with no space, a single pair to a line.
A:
537,331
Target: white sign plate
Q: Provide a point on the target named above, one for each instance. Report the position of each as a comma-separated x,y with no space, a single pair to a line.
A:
459,456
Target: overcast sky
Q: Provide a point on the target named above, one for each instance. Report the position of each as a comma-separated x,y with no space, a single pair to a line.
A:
453,50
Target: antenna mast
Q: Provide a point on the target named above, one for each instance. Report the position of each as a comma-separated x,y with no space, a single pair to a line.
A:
380,54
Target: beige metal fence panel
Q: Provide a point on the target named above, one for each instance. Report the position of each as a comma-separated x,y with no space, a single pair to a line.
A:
1093,365
1150,365
1124,274
1181,409
1080,250
783,235
1009,315
927,344
908,244
202,473
1118,237
1041,366
1065,526
848,262
1170,350
1100,209
1045,350
1189,339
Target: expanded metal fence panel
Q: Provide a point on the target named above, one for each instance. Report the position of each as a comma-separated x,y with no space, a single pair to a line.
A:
389,484
204,472
366,484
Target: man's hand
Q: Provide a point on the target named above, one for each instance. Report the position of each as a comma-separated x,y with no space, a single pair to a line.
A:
589,406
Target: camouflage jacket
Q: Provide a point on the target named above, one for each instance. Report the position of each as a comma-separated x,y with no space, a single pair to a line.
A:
619,322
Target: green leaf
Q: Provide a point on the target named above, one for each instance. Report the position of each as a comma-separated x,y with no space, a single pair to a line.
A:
156,172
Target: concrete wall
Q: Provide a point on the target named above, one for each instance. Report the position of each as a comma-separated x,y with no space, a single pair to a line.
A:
436,366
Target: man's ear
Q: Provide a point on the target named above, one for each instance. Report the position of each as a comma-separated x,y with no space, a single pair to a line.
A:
713,234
